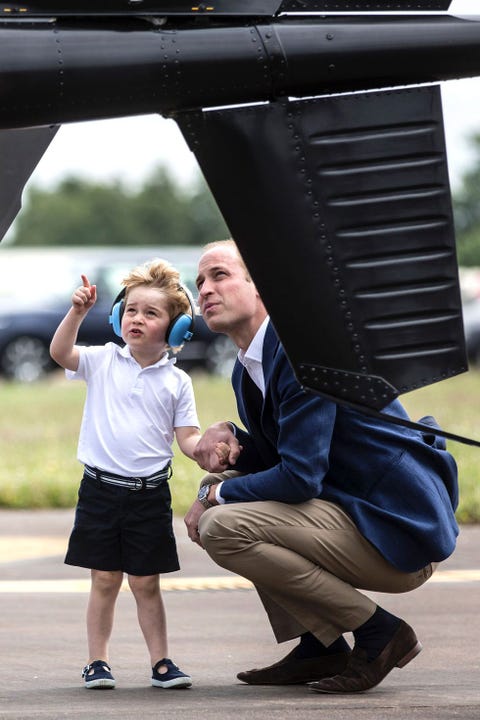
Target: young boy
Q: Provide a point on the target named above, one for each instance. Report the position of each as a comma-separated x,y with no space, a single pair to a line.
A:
137,400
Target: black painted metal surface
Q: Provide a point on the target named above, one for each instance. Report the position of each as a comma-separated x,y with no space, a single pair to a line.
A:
341,209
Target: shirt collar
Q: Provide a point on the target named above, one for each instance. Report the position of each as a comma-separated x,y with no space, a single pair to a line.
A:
164,360
252,357
255,349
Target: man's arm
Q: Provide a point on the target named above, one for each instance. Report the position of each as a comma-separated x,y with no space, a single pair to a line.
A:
299,431
62,348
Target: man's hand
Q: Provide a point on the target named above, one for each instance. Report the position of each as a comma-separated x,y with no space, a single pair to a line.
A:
217,448
192,519
84,296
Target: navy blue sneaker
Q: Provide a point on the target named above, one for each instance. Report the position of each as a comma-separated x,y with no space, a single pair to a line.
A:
172,678
98,675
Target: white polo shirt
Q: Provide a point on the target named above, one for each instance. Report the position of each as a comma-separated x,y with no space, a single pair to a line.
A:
130,412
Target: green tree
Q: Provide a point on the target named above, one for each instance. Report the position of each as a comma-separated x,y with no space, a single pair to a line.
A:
80,212
466,208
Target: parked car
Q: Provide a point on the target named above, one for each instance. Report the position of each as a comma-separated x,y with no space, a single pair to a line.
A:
35,291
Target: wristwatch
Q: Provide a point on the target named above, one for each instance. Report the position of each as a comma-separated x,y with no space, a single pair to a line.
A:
203,496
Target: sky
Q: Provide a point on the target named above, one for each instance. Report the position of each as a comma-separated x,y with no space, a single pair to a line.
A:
129,149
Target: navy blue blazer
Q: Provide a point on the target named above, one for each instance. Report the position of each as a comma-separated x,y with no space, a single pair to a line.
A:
400,491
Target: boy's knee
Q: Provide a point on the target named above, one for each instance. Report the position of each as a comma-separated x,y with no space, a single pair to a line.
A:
106,581
144,584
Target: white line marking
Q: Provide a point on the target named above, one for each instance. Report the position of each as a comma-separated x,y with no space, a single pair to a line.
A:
221,582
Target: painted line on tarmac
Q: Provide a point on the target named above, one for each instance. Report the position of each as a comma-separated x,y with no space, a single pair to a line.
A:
30,547
455,576
16,548
191,583
82,585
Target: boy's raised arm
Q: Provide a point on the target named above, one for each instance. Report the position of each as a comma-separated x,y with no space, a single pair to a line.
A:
62,348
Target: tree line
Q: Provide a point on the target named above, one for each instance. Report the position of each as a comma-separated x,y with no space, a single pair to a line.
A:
466,210
82,212
163,212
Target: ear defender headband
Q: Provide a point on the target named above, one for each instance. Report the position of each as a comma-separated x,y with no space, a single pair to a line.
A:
179,331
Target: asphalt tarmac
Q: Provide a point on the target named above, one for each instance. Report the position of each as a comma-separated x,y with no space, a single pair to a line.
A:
217,627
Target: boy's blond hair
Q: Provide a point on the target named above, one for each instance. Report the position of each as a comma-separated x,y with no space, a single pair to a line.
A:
158,273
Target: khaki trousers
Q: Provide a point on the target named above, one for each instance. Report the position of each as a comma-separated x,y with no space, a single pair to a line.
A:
307,562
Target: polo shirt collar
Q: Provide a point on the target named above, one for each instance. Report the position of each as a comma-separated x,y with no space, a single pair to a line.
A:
164,360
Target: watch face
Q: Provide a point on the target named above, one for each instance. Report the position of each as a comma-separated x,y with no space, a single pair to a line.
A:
203,492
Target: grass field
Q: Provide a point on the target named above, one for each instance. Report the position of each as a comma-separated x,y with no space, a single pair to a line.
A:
39,427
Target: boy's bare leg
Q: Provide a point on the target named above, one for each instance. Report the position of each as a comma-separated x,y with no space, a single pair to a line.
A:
151,614
100,611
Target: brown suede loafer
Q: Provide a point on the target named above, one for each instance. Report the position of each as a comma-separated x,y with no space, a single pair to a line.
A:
292,671
361,675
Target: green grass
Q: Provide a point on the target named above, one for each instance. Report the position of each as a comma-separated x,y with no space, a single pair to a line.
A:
455,404
39,427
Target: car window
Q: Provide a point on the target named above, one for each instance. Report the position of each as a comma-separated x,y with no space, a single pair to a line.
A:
25,272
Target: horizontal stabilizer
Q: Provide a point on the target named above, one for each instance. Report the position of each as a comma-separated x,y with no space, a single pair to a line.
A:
249,8
347,6
145,8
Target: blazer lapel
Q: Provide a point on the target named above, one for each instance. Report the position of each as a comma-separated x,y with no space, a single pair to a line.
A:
252,402
270,347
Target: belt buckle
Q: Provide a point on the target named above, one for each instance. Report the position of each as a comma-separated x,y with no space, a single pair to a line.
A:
139,484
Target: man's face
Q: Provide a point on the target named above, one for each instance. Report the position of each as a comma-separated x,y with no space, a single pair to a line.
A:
227,298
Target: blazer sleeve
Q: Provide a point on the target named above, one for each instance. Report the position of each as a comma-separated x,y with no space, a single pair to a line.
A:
301,426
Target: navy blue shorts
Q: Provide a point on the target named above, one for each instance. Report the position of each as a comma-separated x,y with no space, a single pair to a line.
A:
121,529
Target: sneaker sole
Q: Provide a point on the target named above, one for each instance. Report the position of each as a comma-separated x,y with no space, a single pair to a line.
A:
184,682
103,684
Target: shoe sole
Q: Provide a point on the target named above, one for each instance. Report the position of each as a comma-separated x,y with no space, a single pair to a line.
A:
104,684
410,655
298,681
179,683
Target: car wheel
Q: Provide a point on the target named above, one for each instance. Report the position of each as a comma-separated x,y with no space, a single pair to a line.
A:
474,357
221,356
25,359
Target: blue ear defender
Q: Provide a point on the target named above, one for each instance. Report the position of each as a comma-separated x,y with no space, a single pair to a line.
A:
179,331
116,313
